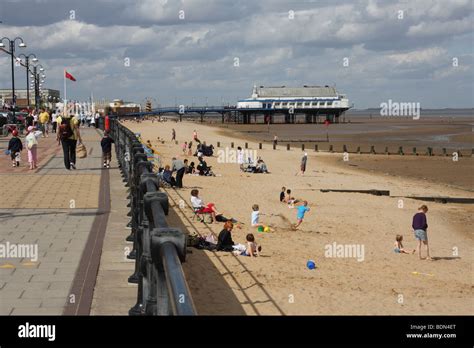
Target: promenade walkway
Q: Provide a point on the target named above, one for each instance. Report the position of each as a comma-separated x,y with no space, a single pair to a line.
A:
64,215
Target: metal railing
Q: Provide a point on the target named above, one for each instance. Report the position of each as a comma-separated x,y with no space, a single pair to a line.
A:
158,249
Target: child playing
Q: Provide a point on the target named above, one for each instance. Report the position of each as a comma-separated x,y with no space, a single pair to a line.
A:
399,246
190,148
289,199
255,216
32,145
301,210
106,144
252,249
15,147
184,147
282,194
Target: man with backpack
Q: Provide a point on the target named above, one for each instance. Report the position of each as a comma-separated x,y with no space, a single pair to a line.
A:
68,133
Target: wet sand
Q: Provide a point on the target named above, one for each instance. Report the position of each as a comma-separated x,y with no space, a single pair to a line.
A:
453,134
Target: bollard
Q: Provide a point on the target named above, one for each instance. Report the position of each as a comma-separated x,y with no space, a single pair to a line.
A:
331,148
414,151
246,145
386,150
400,150
259,146
232,144
372,149
358,150
302,147
218,144
445,153
288,147
316,147
344,148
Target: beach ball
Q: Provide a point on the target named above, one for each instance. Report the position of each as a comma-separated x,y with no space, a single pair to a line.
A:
311,264
266,229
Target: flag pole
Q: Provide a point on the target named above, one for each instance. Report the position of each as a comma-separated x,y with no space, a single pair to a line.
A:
65,94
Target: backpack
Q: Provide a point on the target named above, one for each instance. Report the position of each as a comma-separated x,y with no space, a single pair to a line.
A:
65,130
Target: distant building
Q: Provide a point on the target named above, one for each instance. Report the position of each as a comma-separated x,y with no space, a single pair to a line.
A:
119,107
49,97
315,102
307,97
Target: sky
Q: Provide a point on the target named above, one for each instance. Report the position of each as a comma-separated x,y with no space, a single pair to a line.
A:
193,51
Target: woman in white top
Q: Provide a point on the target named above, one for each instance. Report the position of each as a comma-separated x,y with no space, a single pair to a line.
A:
200,207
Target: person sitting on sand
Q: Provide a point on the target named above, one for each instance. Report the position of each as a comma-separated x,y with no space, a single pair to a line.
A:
252,248
301,210
261,167
289,199
224,240
420,228
191,168
202,167
167,176
399,246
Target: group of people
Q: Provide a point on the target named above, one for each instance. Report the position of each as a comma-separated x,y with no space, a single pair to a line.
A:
67,130
15,147
249,165
224,242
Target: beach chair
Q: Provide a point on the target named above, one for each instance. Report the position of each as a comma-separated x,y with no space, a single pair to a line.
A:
201,216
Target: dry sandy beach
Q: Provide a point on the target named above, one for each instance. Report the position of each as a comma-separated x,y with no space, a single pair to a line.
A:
278,282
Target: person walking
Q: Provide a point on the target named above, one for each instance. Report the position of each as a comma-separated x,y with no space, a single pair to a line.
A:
275,140
178,166
15,147
43,120
29,120
173,135
304,159
68,134
106,144
420,228
54,116
195,137
32,146
92,123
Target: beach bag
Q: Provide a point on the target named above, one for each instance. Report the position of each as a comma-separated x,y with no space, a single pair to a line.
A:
81,150
211,239
65,130
30,141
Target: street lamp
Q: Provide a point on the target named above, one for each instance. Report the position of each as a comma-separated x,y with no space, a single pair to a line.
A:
12,54
27,64
36,76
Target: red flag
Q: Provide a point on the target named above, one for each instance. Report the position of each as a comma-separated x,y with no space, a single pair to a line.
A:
69,76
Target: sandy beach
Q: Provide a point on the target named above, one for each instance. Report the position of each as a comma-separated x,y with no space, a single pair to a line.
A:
278,282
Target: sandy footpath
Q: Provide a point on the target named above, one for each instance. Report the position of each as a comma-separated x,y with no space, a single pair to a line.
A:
380,282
